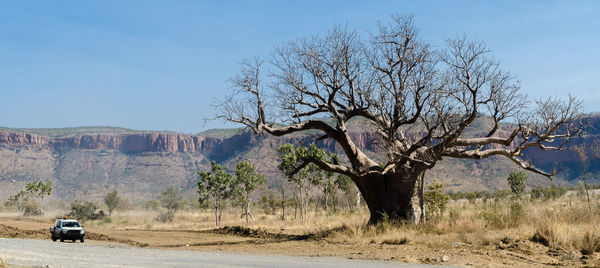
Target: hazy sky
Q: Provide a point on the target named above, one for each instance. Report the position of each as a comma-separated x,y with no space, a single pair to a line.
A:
158,65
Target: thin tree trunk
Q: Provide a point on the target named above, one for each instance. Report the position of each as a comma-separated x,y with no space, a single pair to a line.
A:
295,208
357,199
42,205
247,210
587,193
326,207
217,216
282,204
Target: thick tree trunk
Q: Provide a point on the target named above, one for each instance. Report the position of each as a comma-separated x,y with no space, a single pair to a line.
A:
395,196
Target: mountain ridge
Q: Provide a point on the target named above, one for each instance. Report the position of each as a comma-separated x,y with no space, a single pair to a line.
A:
143,163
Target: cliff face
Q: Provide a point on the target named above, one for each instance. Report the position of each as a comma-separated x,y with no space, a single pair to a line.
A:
127,143
133,143
22,139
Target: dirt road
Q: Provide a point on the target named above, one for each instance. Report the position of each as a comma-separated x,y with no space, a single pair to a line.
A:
35,252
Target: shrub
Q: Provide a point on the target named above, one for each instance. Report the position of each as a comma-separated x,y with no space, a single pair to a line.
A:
165,216
552,192
84,210
435,199
516,180
105,220
171,200
152,205
517,213
32,208
112,200
501,218
124,205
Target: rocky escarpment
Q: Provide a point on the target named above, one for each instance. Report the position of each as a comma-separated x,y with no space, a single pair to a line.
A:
133,143
127,143
12,138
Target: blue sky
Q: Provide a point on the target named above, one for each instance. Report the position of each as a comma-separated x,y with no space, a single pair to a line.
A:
158,65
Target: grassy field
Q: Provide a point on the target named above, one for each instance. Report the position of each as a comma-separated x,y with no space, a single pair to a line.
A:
479,233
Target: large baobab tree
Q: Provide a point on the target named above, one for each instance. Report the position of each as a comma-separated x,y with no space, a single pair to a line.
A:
418,98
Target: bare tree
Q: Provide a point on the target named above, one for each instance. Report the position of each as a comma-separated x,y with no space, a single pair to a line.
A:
582,153
419,99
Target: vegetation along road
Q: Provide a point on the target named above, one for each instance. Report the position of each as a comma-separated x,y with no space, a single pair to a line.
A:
34,252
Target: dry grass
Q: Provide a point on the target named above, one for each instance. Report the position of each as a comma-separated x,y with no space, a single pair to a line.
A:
3,263
564,224
590,242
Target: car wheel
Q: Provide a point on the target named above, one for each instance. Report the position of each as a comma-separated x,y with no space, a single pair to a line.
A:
82,239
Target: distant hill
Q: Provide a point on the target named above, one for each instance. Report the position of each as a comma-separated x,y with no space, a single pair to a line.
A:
87,162
70,131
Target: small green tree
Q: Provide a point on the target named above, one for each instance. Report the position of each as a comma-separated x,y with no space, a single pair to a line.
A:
245,183
39,189
436,199
304,175
83,210
516,180
215,187
112,201
327,181
18,200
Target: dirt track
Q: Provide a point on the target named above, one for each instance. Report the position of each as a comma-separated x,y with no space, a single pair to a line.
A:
34,252
239,240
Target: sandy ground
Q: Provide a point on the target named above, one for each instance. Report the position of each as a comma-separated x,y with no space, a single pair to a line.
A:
512,252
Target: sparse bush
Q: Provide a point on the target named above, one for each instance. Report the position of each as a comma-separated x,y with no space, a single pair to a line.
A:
105,220
517,213
435,199
124,205
165,216
84,210
501,217
170,200
152,205
32,208
112,200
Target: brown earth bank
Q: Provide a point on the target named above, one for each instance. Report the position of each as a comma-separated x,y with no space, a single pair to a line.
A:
508,251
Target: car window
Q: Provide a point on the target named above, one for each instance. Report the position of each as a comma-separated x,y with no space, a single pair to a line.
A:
71,224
